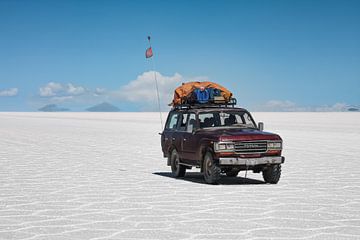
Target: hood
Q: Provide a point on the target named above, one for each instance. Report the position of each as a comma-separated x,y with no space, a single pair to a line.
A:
240,134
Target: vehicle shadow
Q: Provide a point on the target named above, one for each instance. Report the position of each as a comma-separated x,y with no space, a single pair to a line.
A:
198,178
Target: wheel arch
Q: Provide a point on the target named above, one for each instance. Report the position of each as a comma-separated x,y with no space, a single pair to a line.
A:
203,150
171,148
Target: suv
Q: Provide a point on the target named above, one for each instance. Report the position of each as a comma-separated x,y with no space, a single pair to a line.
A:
219,139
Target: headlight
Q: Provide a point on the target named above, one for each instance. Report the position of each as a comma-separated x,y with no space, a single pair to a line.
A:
274,145
224,146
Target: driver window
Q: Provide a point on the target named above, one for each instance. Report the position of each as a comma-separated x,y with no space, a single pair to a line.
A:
247,119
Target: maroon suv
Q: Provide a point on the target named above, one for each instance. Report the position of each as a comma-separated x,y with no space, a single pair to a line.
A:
220,139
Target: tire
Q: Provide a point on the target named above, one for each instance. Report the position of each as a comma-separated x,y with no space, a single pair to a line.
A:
232,173
210,169
272,174
177,169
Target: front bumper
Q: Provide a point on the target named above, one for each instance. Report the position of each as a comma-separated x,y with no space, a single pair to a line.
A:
252,161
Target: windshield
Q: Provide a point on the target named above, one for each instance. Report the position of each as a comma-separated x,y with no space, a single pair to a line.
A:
226,119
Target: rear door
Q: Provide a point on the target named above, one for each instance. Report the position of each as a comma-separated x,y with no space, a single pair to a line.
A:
168,135
178,135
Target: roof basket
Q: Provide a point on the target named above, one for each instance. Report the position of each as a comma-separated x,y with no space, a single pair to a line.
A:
219,104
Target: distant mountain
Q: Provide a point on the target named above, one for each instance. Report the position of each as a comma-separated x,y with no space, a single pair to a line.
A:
53,108
353,109
103,107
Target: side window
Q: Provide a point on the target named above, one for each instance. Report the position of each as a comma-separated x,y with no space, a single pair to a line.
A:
238,119
172,121
183,122
247,119
206,120
191,123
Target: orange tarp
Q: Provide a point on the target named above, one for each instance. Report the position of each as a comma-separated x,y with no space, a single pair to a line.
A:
187,88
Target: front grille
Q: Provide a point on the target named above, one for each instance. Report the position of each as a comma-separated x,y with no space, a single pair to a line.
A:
251,147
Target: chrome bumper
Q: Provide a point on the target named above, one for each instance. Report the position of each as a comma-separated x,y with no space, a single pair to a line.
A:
251,161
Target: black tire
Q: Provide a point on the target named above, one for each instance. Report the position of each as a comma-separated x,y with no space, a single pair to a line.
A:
210,169
272,174
177,169
232,173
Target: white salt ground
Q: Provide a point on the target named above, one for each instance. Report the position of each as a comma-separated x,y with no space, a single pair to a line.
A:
102,176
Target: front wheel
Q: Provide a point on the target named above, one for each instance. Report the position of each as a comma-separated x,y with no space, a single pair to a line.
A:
177,169
272,174
211,170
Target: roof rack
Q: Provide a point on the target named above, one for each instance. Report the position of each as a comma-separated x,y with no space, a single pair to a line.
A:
231,103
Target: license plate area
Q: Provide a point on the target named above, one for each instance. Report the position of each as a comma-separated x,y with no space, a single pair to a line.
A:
250,161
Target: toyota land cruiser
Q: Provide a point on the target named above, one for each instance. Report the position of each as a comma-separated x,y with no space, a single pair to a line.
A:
220,139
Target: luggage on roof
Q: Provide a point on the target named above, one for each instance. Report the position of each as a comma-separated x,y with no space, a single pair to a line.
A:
200,92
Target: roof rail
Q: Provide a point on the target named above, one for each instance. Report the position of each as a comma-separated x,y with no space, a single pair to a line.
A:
231,103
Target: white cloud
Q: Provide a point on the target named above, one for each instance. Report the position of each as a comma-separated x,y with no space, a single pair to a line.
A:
53,89
69,94
143,88
10,92
75,90
100,91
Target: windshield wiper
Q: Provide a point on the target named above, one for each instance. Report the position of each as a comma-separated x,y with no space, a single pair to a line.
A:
243,125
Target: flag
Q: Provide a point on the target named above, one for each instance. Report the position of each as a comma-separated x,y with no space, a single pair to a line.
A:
148,53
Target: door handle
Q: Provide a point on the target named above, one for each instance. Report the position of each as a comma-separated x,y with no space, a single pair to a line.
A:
173,139
185,139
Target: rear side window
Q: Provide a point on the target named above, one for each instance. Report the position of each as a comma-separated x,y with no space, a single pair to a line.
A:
172,121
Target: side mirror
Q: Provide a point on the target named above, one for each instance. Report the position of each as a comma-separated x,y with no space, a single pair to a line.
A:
261,126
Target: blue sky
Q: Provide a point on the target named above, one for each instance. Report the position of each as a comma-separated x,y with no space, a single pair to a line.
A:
273,55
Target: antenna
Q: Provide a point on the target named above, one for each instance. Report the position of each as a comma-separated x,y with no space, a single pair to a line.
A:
149,54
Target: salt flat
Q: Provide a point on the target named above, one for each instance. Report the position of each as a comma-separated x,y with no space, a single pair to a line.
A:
102,176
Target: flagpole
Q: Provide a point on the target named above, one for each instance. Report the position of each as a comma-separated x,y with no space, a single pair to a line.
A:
157,87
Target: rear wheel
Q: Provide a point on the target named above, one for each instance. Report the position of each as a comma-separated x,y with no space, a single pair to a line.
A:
272,174
210,169
177,169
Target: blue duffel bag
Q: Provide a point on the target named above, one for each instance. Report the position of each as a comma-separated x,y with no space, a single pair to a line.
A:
202,95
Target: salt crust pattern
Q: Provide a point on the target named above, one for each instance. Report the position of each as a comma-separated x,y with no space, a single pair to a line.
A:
102,176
